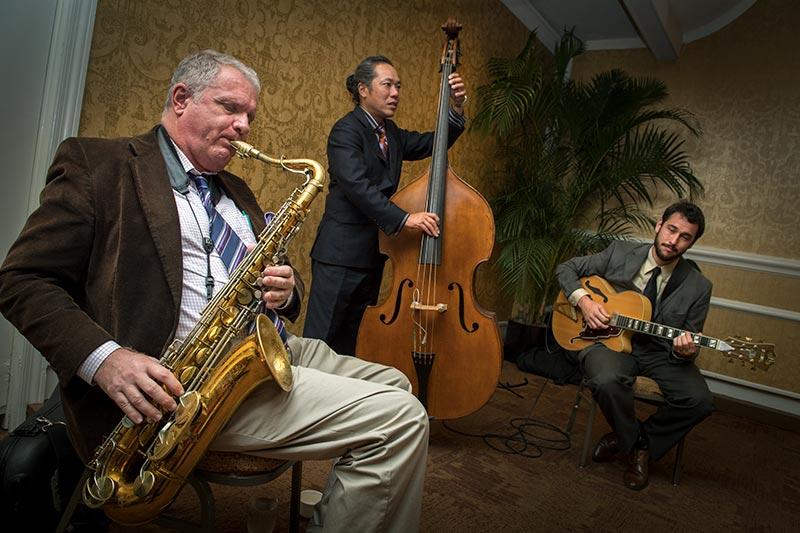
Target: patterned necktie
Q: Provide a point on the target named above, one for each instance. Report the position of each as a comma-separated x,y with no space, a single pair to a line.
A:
383,142
228,245
651,290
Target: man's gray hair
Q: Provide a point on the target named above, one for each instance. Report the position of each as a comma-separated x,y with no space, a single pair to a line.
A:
199,70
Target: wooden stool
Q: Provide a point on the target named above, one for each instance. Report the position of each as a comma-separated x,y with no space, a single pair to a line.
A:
644,390
238,469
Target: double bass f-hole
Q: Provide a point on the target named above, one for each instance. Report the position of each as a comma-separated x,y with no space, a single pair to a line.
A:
398,302
475,325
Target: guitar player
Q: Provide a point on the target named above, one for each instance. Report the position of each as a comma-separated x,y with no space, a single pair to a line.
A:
680,295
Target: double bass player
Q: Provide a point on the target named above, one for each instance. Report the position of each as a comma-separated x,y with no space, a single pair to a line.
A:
430,326
366,150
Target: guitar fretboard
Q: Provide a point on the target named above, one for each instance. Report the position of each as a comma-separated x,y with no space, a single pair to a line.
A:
665,332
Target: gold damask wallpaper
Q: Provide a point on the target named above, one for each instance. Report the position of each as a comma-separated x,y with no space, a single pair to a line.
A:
742,84
303,50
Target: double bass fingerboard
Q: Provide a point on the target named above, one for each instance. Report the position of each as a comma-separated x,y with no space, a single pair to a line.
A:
431,249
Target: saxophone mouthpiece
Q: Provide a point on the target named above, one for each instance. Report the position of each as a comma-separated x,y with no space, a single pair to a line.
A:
244,150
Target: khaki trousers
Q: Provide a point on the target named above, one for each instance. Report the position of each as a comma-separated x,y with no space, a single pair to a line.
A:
360,414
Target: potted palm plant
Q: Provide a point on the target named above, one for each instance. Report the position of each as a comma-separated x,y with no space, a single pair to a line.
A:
580,161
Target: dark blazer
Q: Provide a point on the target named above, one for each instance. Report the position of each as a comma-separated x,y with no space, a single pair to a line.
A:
684,300
100,260
361,183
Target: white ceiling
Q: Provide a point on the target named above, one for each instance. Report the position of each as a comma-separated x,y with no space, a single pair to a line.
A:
663,26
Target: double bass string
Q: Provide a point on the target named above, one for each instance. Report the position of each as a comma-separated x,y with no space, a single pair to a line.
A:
424,294
424,320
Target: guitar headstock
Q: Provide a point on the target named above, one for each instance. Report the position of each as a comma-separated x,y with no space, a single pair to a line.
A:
756,354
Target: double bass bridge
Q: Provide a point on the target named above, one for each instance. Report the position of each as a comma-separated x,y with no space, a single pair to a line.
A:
439,308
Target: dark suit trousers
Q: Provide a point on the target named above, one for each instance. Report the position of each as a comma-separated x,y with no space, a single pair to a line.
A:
338,298
611,375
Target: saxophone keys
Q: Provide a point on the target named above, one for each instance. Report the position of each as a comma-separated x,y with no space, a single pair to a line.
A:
98,490
251,278
164,443
212,333
146,434
186,374
144,484
188,407
201,355
243,296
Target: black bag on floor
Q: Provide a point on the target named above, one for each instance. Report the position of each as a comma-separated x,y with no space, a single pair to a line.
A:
551,362
39,470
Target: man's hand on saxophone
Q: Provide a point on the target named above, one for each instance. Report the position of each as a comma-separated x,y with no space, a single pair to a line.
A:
135,382
278,283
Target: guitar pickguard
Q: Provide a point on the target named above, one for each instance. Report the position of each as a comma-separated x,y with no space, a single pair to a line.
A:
591,334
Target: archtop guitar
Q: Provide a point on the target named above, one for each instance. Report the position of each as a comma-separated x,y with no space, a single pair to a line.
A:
630,313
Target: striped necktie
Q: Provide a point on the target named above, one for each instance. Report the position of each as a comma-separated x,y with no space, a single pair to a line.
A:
383,142
228,245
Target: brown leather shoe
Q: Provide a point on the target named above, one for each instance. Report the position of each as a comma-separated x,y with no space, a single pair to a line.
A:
606,448
636,476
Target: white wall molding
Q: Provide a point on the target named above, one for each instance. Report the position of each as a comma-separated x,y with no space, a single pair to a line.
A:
756,309
752,262
779,400
719,23
67,62
754,393
746,261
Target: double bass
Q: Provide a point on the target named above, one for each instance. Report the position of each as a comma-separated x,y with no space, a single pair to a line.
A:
430,326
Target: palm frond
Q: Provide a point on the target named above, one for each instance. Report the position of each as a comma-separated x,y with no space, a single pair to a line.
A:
575,153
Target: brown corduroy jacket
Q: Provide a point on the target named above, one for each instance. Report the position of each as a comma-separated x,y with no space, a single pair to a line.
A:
100,260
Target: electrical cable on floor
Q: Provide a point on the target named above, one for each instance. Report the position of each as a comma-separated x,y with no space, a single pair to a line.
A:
525,440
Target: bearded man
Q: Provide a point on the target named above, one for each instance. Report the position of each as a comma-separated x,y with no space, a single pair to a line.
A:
680,295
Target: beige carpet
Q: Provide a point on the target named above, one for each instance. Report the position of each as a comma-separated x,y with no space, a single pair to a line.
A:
738,475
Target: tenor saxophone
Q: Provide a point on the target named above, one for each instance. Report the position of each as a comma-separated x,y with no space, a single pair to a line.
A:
139,469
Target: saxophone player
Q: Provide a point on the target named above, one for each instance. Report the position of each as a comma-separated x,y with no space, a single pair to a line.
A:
131,240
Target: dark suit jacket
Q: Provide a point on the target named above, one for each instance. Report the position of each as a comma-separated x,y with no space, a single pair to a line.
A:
361,183
684,301
100,260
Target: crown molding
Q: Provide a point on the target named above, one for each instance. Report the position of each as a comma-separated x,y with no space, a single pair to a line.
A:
534,21
614,44
718,23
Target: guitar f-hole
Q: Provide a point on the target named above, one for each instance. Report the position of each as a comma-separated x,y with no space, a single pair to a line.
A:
596,290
